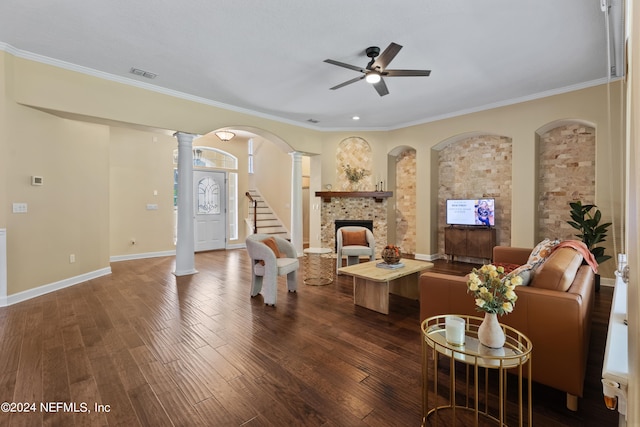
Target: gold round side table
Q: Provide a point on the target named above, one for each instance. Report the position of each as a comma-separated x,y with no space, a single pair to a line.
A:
316,274
513,357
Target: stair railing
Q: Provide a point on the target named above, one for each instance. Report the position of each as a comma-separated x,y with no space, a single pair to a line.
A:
254,203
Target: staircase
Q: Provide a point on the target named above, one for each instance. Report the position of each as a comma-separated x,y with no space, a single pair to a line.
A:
265,220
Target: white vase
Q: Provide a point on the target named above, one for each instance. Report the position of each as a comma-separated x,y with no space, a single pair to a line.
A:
351,186
490,332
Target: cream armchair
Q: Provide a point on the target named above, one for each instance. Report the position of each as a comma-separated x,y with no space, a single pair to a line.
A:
354,242
266,266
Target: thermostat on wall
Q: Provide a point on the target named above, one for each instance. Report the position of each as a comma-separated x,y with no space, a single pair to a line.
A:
37,180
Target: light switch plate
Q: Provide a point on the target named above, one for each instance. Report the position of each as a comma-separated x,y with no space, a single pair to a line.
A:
19,208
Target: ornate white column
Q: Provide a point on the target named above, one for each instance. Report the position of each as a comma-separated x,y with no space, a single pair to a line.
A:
185,245
296,201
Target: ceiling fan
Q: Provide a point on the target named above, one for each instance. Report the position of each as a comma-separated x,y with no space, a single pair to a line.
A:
376,69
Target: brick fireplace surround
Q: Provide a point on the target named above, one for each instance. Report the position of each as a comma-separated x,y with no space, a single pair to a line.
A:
353,208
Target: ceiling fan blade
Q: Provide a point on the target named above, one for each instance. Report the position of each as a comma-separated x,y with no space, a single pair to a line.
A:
406,73
348,82
342,64
386,57
381,88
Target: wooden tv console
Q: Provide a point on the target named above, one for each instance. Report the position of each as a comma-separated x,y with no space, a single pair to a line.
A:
472,242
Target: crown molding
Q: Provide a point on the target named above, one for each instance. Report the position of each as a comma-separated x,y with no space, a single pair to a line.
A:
181,95
143,85
508,102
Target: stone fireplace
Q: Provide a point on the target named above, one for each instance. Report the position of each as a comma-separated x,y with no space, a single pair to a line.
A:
350,209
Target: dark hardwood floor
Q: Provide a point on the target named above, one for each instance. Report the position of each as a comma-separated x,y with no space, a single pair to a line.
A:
156,350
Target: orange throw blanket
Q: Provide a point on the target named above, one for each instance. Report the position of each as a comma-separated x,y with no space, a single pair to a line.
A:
582,248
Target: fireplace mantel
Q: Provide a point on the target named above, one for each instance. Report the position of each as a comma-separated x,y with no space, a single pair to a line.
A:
379,196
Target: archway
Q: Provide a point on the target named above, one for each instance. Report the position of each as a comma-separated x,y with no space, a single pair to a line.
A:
280,187
402,177
475,165
566,169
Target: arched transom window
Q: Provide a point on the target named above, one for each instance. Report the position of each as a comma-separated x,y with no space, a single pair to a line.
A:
208,157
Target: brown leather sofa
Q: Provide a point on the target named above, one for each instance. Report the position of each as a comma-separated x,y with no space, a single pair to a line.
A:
557,322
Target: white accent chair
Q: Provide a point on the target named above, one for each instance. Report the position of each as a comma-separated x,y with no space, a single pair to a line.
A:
266,267
351,251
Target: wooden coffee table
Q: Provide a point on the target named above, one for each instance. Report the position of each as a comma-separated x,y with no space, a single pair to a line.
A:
372,284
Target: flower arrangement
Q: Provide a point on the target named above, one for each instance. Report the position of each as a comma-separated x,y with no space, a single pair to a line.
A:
493,289
354,175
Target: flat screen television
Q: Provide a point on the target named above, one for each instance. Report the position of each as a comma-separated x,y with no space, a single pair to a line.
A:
480,212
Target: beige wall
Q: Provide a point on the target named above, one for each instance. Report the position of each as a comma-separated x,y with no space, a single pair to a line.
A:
49,87
633,144
141,163
3,138
69,214
520,123
78,153
272,178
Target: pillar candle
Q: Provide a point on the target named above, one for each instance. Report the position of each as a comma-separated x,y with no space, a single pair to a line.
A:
454,330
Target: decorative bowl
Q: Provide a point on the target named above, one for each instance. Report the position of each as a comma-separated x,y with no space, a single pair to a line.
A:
391,254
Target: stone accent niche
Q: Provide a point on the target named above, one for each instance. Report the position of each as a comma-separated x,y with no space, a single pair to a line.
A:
353,208
477,167
406,201
566,173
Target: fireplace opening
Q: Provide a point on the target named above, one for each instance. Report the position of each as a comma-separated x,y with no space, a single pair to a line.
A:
368,223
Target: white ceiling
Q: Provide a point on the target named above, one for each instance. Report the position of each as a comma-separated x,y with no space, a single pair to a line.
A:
267,56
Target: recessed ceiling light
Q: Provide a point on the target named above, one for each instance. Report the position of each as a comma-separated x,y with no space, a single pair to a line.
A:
355,118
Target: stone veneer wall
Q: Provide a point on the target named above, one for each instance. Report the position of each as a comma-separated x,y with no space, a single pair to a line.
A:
356,153
566,173
405,193
477,167
354,208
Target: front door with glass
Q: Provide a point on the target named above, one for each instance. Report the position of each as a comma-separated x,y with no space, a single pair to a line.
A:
210,224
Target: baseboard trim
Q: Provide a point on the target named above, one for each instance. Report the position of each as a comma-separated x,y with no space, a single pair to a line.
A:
427,257
607,281
51,287
237,246
71,281
129,257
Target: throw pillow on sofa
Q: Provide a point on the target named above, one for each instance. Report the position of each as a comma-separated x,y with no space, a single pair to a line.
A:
525,272
541,252
507,266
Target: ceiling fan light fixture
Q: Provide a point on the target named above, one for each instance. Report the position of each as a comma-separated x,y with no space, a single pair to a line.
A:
225,135
373,78
377,68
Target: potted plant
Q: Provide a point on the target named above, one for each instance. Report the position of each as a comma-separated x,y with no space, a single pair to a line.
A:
591,231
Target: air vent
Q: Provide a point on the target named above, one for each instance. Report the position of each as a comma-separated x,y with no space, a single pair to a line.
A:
142,73
313,121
